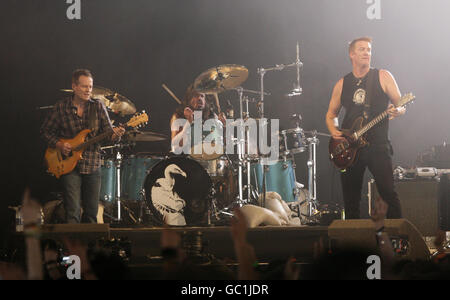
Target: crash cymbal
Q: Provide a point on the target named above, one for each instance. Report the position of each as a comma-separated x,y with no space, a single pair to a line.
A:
113,101
145,136
221,78
121,105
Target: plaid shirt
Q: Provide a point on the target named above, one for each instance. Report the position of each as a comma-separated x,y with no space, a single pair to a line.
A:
64,123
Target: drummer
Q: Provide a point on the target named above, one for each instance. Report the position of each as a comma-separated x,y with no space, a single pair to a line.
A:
192,101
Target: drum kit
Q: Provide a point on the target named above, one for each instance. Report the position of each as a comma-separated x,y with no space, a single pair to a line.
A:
201,190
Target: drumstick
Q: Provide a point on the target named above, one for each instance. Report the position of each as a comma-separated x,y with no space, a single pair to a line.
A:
217,102
171,93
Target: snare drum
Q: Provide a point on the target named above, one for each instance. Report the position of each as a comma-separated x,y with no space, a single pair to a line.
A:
216,167
209,139
176,192
292,141
279,178
108,189
134,171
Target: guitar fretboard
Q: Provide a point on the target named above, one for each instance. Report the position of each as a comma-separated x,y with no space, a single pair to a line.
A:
94,140
402,102
372,123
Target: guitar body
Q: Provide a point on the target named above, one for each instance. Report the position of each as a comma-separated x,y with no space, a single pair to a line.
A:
58,164
344,154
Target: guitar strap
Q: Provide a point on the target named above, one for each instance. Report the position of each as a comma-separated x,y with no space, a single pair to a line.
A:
369,88
93,118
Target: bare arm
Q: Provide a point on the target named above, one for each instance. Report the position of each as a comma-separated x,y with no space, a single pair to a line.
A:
245,253
391,89
390,86
31,215
385,245
333,110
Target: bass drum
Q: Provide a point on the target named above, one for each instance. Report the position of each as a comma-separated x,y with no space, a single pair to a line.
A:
177,191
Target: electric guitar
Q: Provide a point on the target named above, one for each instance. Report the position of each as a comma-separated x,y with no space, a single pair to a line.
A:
58,164
344,153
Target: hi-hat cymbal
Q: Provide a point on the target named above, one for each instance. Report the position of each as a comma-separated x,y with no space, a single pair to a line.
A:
114,101
221,78
144,136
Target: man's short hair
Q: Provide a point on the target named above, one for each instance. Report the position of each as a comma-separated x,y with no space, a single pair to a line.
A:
80,72
352,44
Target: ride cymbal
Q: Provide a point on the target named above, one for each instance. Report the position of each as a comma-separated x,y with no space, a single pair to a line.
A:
221,78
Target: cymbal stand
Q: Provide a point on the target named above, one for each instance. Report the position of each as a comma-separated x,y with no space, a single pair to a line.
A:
118,162
241,150
243,161
245,116
312,180
262,72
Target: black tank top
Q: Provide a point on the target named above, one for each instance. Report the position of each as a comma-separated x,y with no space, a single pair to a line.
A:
353,99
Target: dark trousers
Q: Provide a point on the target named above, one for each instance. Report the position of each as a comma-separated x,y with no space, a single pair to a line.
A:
378,160
81,191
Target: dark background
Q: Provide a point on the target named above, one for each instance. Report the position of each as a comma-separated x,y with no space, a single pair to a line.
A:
134,46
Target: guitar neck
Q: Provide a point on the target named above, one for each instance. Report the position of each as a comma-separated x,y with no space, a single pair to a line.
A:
133,122
372,123
94,140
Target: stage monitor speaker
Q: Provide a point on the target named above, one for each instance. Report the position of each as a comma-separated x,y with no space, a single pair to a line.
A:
419,200
409,244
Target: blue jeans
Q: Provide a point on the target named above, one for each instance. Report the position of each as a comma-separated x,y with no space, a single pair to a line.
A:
81,190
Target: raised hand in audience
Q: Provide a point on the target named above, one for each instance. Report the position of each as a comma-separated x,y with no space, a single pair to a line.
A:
245,253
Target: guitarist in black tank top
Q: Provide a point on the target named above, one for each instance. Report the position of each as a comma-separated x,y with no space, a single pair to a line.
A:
366,92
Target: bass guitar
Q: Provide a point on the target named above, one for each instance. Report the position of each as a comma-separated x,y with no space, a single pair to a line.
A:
58,164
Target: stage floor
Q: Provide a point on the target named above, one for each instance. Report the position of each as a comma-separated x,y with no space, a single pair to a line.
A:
270,242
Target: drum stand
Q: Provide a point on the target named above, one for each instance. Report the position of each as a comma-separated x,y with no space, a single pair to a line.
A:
118,163
312,180
262,71
243,161
243,150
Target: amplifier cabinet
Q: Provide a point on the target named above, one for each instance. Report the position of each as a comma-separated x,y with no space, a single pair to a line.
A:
419,200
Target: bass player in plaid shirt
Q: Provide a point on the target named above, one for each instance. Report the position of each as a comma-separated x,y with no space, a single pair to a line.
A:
68,117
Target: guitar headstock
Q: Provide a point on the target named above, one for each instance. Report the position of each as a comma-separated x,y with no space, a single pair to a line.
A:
139,119
406,99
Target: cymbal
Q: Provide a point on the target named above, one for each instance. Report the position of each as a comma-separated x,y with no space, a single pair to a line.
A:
121,105
114,101
145,136
221,78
